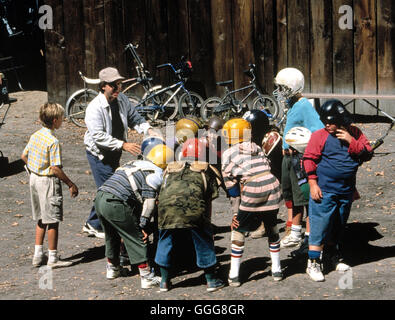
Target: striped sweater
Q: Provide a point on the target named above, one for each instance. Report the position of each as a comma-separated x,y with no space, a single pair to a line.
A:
240,163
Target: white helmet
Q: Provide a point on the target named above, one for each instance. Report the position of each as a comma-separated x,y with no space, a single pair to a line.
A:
297,138
289,82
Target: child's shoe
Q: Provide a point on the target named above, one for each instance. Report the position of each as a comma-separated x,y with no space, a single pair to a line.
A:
234,282
277,276
164,286
314,270
290,241
215,285
38,260
150,281
114,272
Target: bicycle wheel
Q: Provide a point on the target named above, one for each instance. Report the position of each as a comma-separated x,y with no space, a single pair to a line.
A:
267,104
158,100
189,104
77,104
206,110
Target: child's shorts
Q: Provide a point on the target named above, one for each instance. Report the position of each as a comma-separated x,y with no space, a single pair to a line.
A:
250,221
46,197
289,184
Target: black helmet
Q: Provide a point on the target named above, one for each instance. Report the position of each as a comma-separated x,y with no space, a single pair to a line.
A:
259,123
215,123
334,112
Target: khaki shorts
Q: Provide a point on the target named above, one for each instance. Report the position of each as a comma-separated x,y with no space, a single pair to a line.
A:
46,197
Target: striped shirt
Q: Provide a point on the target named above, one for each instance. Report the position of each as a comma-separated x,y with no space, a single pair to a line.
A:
43,151
118,185
244,161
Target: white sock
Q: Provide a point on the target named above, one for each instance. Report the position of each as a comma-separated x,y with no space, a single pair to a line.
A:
235,260
296,231
38,250
52,255
146,271
274,249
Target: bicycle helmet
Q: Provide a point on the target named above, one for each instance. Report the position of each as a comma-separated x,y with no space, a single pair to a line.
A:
150,142
297,138
289,82
236,130
334,112
195,149
187,128
215,123
259,123
160,155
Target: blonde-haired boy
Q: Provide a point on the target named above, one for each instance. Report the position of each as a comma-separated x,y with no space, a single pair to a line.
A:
42,156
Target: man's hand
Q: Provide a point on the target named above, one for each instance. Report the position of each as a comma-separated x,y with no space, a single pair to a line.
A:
132,148
73,190
235,223
343,134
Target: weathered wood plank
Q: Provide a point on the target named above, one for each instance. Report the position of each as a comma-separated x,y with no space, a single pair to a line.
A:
299,38
222,42
243,50
386,51
281,37
201,47
157,40
343,50
268,38
95,51
55,56
321,46
365,52
177,15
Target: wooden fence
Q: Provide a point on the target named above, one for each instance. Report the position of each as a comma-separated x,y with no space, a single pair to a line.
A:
221,37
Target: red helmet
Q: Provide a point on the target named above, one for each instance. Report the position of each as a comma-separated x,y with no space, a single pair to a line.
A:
195,149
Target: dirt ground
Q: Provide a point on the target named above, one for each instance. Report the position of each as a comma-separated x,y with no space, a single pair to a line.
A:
370,234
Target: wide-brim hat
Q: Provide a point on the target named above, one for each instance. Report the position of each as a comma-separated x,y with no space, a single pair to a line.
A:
110,75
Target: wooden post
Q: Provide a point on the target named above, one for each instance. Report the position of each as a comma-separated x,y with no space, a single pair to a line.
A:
281,37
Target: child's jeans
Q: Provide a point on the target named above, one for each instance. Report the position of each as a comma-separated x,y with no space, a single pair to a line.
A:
202,241
328,217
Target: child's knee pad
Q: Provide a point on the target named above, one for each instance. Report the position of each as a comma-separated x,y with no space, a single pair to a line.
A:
237,236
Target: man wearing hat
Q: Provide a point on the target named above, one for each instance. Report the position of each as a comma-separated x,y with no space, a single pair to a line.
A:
107,118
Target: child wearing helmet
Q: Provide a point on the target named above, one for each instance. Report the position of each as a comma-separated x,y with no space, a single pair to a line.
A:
331,159
255,195
124,204
188,188
290,84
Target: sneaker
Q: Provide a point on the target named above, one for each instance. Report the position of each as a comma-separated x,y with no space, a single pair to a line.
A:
38,260
333,260
290,241
150,281
87,228
258,233
164,286
215,285
302,252
114,272
277,276
59,263
314,270
234,282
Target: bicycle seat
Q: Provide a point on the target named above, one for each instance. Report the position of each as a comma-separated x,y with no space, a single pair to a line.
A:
224,83
89,80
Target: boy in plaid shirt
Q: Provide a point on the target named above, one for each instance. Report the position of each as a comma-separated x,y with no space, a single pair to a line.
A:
42,156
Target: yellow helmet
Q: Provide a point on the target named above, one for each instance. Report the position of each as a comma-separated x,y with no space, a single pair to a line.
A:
236,130
187,128
160,155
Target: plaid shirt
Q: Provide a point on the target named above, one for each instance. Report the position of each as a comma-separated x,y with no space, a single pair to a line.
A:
43,151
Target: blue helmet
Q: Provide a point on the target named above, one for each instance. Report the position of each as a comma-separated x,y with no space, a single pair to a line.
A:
150,142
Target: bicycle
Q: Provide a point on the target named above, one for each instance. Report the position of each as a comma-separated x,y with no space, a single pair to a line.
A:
163,103
228,106
79,100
